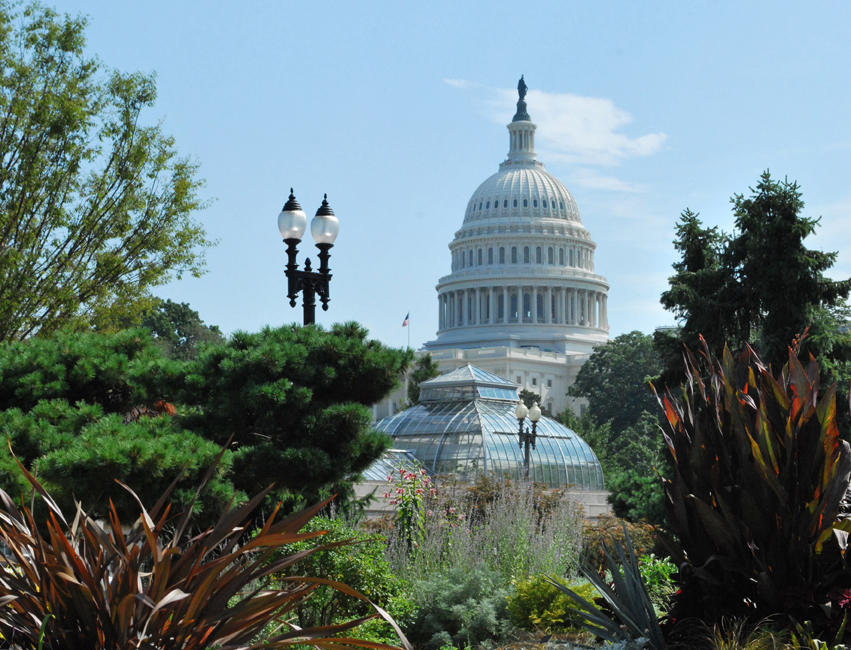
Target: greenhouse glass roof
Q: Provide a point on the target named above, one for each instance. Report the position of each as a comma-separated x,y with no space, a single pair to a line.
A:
465,425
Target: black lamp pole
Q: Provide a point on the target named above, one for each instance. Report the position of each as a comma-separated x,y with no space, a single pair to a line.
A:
324,228
526,435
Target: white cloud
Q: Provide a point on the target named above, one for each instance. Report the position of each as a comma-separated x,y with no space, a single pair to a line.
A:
459,83
591,179
579,129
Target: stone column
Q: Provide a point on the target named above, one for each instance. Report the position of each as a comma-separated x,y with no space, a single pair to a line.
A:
549,311
491,308
477,309
505,304
533,298
464,312
440,311
605,311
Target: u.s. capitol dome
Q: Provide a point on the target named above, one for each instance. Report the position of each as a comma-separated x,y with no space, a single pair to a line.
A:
522,299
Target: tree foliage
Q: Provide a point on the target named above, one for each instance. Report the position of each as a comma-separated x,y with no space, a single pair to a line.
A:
88,408
621,424
95,207
425,368
179,329
615,380
760,286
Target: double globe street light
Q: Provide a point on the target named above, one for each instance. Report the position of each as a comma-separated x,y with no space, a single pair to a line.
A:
527,435
324,227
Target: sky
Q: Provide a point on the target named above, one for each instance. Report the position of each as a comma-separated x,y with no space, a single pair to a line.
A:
397,110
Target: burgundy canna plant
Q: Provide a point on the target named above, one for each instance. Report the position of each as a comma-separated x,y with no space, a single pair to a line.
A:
88,585
760,472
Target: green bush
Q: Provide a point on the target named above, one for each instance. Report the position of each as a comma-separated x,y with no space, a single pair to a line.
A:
460,607
363,567
536,604
658,574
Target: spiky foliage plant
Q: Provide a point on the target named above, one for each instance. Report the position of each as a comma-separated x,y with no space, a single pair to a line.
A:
633,616
89,585
760,472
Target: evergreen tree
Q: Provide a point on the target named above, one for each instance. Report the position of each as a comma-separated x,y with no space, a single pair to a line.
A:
86,409
760,286
297,401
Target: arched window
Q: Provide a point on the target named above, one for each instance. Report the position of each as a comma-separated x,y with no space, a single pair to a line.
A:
538,256
539,308
502,254
515,203
500,307
488,206
525,203
490,256
527,306
553,316
526,256
505,203
561,257
480,205
535,203
561,204
513,313
471,258
545,204
514,254
551,256
480,257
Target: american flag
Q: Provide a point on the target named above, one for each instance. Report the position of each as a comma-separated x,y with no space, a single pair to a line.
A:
407,319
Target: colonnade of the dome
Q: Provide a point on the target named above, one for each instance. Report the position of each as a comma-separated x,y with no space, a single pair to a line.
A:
466,256
519,303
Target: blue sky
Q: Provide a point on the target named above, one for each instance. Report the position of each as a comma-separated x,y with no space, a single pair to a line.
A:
398,112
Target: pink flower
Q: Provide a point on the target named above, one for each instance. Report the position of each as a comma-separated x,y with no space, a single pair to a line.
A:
452,511
386,494
423,472
392,503
402,471
400,491
462,517
389,478
430,513
453,525
432,491
419,490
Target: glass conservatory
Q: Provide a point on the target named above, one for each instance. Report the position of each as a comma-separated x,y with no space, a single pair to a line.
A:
465,425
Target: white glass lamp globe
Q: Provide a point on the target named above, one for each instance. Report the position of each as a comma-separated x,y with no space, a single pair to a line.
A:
292,221
521,411
535,412
324,226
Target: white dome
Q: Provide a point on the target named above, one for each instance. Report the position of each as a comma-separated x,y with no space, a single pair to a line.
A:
525,191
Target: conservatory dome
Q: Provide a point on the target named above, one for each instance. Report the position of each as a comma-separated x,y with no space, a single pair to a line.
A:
465,425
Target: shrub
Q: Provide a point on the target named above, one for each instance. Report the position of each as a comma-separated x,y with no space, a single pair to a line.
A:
361,565
760,475
462,607
607,528
658,575
516,531
536,604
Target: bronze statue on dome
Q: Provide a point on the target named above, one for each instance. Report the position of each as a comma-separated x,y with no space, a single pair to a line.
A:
522,88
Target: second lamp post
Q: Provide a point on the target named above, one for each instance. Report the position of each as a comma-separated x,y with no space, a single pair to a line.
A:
324,227
527,435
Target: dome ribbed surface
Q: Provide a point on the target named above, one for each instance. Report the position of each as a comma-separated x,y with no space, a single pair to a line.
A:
496,197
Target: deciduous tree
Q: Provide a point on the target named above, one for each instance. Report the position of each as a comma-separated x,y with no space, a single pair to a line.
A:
96,207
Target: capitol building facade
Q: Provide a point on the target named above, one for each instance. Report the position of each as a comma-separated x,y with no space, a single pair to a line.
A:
522,300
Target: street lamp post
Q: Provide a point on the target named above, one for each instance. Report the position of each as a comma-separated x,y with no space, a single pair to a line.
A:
527,436
324,227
